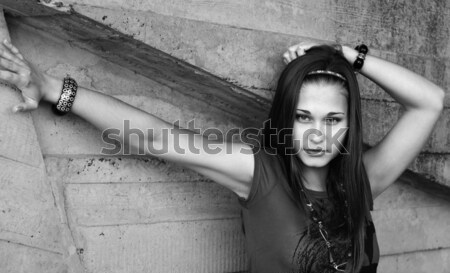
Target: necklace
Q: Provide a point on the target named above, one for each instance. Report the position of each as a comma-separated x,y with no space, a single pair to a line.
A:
315,217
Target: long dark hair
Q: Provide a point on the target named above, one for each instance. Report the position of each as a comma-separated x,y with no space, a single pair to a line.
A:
347,179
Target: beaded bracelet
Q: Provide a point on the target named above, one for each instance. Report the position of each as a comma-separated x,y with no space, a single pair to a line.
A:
362,51
67,97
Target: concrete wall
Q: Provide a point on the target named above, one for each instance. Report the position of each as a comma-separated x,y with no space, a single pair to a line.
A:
242,42
129,214
72,209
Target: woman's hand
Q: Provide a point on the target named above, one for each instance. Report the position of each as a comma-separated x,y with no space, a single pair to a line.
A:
296,51
15,70
300,49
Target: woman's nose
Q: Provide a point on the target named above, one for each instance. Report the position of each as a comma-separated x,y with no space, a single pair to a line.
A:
316,135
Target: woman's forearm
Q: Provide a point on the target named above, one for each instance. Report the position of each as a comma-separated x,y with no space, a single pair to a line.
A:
105,112
408,88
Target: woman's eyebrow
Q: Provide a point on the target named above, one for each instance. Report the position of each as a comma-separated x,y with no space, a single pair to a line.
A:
329,114
335,113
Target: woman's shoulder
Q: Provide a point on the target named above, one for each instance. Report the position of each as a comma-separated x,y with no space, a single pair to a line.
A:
268,157
268,170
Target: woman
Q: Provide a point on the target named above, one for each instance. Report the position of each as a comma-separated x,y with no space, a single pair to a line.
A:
307,193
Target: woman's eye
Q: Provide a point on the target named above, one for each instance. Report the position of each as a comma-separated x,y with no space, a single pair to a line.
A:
303,118
332,121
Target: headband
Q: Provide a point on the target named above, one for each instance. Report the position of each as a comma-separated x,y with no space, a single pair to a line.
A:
327,72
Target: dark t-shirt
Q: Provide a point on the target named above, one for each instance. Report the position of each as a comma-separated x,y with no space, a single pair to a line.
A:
280,237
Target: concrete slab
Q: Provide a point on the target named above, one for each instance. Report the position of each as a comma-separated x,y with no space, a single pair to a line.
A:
16,258
34,8
29,224
390,25
122,50
108,169
437,260
28,215
189,247
18,139
401,196
412,229
149,203
434,167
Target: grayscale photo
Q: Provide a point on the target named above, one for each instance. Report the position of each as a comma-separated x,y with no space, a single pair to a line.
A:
187,136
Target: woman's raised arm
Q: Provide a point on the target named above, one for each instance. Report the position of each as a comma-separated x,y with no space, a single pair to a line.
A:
229,164
423,103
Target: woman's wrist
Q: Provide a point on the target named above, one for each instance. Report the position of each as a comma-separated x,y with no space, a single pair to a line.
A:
51,89
350,54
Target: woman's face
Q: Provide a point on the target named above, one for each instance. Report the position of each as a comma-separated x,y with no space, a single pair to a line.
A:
321,123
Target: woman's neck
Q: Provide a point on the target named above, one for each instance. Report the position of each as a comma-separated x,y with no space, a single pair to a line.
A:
315,178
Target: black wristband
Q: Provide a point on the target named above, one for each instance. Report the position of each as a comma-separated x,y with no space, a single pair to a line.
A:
362,51
67,97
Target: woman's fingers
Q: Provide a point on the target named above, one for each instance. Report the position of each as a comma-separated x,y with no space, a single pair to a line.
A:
14,73
9,65
13,49
14,69
290,54
286,58
5,54
293,53
297,50
8,55
12,60
9,76
28,105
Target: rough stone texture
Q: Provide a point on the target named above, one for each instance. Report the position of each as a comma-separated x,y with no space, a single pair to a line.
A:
115,169
434,167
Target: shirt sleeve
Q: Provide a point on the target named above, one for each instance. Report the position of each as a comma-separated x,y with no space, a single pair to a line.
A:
264,179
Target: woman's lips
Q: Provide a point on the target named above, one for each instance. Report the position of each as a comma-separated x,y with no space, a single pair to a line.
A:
314,152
